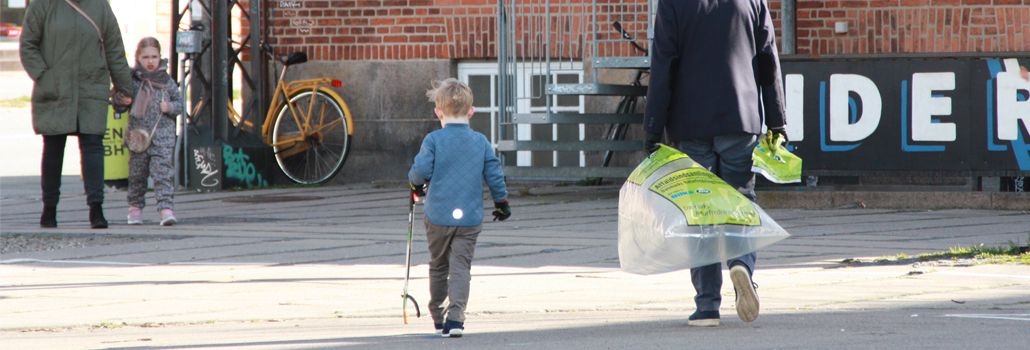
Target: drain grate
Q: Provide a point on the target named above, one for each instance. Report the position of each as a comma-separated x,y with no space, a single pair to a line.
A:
270,199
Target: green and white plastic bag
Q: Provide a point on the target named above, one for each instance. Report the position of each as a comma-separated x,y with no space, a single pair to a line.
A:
773,160
675,214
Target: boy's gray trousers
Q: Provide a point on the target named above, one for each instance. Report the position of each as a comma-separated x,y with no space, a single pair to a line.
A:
450,250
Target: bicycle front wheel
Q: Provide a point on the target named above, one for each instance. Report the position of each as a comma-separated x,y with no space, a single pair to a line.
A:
310,140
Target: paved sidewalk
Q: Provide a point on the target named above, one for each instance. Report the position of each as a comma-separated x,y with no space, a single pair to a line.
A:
323,268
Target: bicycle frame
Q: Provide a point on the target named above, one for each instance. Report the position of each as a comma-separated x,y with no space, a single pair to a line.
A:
281,96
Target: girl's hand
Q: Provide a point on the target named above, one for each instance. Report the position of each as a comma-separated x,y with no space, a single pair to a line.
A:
166,107
1025,73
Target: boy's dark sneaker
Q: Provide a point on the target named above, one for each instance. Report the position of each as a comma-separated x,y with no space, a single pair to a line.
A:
747,298
439,327
453,329
703,319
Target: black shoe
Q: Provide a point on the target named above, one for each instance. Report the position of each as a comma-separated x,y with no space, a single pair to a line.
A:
49,217
453,329
96,216
439,327
703,319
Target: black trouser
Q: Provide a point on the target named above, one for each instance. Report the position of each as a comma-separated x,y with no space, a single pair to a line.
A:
91,149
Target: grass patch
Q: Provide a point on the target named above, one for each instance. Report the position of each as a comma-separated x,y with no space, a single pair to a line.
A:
20,102
1011,254
1014,253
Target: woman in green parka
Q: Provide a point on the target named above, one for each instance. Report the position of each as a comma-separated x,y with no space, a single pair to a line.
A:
72,64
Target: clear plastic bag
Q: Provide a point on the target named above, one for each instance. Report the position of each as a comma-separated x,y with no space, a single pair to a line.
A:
674,215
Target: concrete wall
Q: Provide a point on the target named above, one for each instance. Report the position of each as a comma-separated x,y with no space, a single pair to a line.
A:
391,113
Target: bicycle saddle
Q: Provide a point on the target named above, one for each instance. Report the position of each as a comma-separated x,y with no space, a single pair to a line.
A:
295,58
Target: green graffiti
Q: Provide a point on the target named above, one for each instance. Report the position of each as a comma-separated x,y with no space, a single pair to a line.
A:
239,168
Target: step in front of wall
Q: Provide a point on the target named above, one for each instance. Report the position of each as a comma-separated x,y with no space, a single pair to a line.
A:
10,66
623,62
565,173
576,118
624,146
10,55
596,89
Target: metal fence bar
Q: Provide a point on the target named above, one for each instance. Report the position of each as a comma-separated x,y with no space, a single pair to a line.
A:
540,37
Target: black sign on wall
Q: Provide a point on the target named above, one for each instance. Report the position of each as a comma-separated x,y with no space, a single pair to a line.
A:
963,115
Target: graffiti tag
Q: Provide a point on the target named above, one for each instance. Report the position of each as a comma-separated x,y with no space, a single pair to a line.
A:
206,169
239,168
289,4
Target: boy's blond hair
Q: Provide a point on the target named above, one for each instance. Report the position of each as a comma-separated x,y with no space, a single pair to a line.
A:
451,97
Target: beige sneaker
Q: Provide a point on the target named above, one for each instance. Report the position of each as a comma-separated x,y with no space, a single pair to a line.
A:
747,298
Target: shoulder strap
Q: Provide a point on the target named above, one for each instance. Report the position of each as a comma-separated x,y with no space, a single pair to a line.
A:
84,15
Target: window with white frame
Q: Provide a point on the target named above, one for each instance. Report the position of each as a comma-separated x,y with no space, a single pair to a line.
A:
530,86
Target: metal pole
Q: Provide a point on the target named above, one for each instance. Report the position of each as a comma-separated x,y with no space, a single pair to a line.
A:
594,41
220,68
547,56
788,15
181,156
502,72
173,53
257,60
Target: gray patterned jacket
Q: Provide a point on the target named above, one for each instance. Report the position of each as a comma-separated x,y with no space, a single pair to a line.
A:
165,134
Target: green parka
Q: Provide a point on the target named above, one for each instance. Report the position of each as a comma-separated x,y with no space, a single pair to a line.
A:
63,54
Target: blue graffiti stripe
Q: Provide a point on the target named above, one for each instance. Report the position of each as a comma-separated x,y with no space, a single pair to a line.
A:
904,126
993,67
852,110
991,146
822,125
1021,149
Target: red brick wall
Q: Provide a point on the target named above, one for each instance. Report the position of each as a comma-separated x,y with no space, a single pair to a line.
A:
912,26
384,29
466,29
419,29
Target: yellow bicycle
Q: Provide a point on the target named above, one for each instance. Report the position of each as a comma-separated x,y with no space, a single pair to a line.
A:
308,125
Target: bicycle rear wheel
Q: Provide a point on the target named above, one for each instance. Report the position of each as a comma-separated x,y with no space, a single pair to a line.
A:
311,150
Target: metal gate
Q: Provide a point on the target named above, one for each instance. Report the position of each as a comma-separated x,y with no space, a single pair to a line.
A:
548,36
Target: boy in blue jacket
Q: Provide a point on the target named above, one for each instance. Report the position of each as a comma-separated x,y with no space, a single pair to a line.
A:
453,162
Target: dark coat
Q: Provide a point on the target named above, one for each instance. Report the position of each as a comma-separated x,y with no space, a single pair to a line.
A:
711,62
62,53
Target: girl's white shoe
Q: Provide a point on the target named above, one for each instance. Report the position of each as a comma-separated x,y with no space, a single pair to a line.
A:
167,217
135,216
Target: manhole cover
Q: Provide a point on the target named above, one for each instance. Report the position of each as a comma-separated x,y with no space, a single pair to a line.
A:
270,199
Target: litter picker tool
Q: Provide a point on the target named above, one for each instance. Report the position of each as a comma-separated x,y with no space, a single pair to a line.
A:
412,198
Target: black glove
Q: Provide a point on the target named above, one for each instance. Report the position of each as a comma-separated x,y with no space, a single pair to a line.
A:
501,210
779,131
418,190
651,142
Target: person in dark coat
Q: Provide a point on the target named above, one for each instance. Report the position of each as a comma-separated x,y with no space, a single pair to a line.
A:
715,76
72,64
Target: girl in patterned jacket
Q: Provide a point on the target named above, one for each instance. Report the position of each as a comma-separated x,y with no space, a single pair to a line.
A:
156,101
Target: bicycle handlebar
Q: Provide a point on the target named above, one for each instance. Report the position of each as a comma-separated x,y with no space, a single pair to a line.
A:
627,36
